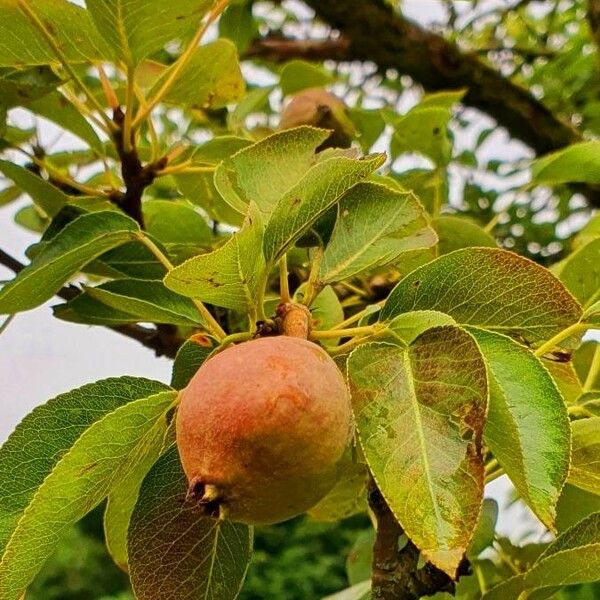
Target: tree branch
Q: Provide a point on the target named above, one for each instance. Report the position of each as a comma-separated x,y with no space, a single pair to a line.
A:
164,341
395,572
593,13
278,49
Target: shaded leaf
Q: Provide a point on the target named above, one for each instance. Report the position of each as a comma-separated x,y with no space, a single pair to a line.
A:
375,224
585,464
47,197
75,246
189,359
580,273
175,222
409,326
574,557
490,288
455,233
486,529
360,557
420,413
238,25
527,427
176,554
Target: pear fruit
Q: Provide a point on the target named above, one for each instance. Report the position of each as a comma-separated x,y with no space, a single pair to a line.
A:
262,430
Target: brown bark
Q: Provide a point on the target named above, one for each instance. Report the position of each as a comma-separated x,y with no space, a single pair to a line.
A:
395,572
376,32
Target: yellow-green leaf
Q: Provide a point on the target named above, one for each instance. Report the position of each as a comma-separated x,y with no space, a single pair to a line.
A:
420,413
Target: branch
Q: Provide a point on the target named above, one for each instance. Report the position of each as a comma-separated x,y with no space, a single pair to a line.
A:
593,14
395,572
375,32
278,49
164,341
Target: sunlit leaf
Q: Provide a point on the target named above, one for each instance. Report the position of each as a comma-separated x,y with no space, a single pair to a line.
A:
297,75
493,289
375,224
580,273
79,481
575,163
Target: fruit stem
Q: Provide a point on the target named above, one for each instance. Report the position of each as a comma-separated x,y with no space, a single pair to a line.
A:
560,337
593,372
284,286
236,337
295,319
211,323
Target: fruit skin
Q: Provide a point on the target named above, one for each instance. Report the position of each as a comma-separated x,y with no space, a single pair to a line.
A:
320,108
262,428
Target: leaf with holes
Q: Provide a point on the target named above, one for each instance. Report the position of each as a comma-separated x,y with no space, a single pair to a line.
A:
420,413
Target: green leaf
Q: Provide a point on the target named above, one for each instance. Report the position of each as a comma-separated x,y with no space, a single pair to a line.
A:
528,425
210,79
238,25
490,288
347,498
135,29
575,163
56,108
592,314
420,413
229,276
175,222
409,326
424,130
580,273
574,557
486,529
583,359
360,558
189,359
360,591
19,87
42,438
319,189
70,27
326,310
146,301
574,505
77,483
133,260
47,197
455,233
585,465
375,224
75,246
121,502
174,553
297,75
265,171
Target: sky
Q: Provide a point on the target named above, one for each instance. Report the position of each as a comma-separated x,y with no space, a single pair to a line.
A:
41,357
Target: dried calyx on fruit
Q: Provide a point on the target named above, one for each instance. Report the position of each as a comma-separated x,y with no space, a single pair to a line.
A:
262,430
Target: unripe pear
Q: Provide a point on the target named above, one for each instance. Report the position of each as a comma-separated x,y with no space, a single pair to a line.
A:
320,108
262,429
